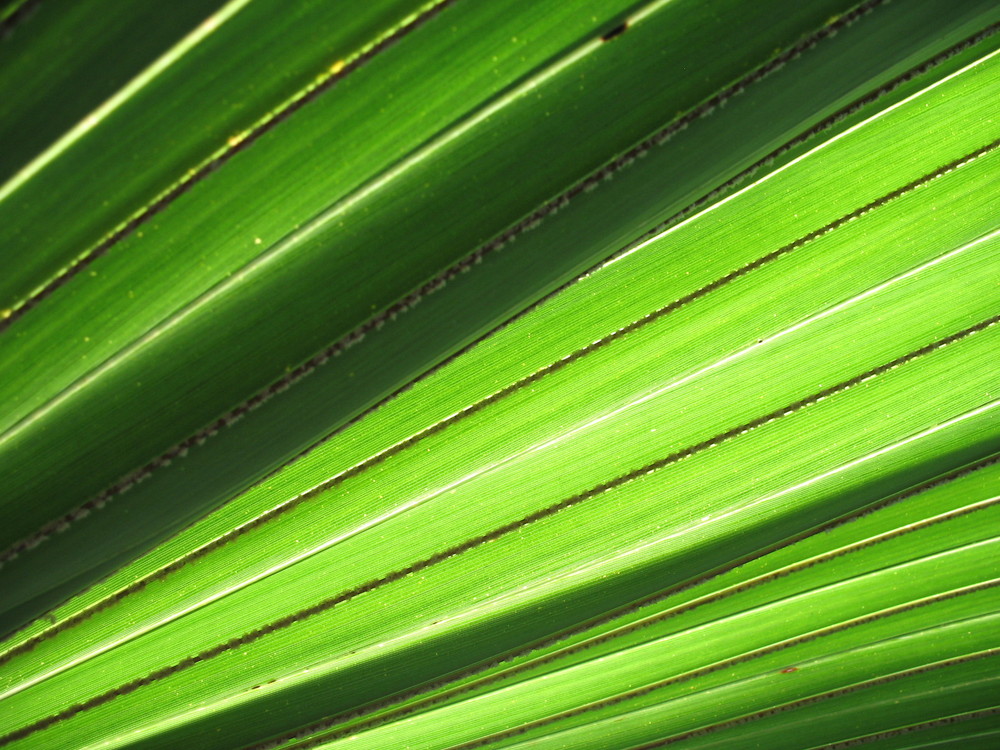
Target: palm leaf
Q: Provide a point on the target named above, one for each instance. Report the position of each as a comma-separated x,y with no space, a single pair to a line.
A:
301,451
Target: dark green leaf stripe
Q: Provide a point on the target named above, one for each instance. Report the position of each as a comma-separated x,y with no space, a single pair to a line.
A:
64,50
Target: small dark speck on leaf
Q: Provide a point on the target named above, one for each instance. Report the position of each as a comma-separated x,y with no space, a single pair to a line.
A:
616,31
789,670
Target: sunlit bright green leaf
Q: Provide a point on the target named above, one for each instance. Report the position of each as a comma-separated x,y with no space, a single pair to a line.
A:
468,374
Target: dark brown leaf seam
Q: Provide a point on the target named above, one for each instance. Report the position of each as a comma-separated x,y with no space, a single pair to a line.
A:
389,314
379,458
923,726
210,165
633,627
495,534
725,664
820,698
